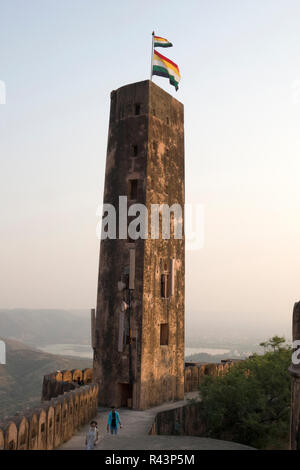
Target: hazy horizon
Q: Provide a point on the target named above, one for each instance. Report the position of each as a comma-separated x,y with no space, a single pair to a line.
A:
241,91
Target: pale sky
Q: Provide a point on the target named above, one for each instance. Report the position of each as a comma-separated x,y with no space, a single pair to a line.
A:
240,86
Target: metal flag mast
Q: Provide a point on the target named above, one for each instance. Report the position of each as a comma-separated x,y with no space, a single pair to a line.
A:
152,49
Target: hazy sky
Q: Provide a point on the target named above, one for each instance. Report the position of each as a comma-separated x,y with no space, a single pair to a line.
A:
240,85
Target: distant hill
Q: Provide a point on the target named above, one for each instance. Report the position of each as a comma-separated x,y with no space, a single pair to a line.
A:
211,358
21,378
42,327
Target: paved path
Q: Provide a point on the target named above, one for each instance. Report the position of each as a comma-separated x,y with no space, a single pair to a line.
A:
134,433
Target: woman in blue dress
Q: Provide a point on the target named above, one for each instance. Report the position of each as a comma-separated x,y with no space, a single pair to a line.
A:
113,421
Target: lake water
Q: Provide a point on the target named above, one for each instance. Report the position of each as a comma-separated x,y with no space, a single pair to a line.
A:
84,350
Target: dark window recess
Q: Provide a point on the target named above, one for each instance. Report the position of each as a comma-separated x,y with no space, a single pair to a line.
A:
43,427
164,334
50,423
128,340
164,286
57,418
135,150
130,240
133,189
168,121
137,109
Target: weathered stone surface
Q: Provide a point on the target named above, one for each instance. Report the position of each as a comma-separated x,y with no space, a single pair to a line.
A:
295,386
147,147
46,427
59,382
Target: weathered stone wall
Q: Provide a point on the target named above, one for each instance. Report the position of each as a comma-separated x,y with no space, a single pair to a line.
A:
47,426
58,382
162,366
295,386
182,421
145,146
194,372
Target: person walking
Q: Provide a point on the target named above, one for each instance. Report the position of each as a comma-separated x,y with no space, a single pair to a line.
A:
92,436
113,421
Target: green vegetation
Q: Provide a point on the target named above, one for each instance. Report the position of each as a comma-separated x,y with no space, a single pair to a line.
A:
251,403
22,377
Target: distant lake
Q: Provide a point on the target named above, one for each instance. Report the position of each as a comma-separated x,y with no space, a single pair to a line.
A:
212,351
84,350
80,350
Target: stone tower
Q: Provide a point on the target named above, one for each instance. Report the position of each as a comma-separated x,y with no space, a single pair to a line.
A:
295,384
138,328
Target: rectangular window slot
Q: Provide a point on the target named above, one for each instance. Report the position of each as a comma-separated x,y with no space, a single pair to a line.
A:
135,150
164,334
133,189
137,109
164,286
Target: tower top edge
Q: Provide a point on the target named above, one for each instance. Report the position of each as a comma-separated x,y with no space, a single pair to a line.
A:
147,84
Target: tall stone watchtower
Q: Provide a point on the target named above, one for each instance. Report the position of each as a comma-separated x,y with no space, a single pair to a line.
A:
138,329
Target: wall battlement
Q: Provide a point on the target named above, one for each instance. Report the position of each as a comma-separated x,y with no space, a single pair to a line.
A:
195,371
62,411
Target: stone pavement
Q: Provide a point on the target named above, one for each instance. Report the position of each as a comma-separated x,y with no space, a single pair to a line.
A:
134,433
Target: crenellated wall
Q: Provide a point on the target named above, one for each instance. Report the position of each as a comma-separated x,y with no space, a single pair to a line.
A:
195,371
64,408
61,381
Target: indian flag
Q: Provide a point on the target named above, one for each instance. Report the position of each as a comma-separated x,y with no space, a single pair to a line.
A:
164,67
161,42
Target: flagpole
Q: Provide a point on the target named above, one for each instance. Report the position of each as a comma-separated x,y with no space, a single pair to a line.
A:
152,48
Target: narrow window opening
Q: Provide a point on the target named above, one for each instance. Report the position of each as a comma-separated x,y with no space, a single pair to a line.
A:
164,334
164,286
133,189
137,109
135,150
42,427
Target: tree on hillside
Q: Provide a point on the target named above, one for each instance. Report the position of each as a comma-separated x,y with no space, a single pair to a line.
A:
250,404
276,343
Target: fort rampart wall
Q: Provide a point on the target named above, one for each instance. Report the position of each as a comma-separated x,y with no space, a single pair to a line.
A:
66,405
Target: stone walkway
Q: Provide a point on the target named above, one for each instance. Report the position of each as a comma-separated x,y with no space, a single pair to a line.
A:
134,433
